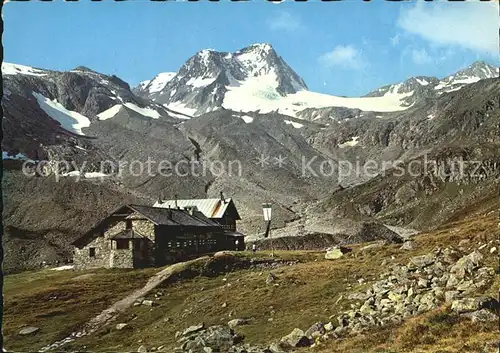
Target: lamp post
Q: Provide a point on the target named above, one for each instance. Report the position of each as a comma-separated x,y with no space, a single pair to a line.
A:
266,209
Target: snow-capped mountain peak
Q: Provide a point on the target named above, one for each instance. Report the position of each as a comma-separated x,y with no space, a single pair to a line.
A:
156,84
422,86
203,81
405,87
475,72
16,69
256,78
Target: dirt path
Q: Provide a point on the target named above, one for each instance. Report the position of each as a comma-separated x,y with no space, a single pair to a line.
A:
110,314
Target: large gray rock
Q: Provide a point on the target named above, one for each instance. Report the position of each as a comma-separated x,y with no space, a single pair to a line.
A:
296,338
315,330
237,322
336,252
450,295
214,338
483,315
421,261
474,304
329,327
408,245
30,330
467,264
193,329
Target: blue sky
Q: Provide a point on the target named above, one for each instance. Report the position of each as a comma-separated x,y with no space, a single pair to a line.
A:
342,48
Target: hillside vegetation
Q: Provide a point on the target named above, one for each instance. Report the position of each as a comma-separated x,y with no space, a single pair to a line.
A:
304,289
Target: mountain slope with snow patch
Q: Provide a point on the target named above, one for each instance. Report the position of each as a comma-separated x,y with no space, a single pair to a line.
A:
155,85
421,87
255,78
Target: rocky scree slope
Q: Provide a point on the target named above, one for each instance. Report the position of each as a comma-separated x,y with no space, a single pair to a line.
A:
446,150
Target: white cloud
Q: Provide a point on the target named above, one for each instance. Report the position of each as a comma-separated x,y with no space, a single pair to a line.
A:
471,25
421,57
346,56
285,21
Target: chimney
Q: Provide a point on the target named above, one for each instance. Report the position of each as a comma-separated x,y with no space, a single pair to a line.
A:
176,205
222,197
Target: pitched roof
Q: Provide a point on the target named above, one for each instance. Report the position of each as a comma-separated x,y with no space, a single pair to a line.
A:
157,215
174,217
211,208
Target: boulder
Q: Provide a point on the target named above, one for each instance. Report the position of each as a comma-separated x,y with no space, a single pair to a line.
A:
408,245
474,304
237,322
122,326
316,328
340,330
421,261
422,283
296,338
193,329
464,285
453,280
329,327
142,349
214,338
450,256
336,252
483,315
467,264
148,303
30,330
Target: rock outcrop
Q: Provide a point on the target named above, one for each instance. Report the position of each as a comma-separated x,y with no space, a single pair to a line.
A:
220,338
443,277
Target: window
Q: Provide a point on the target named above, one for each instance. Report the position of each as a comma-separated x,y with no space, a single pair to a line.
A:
91,252
129,224
122,244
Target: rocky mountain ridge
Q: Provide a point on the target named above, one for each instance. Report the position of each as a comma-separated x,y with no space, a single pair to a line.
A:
211,80
423,87
86,118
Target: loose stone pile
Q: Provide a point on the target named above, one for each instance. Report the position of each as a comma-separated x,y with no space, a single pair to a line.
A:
427,281
220,338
